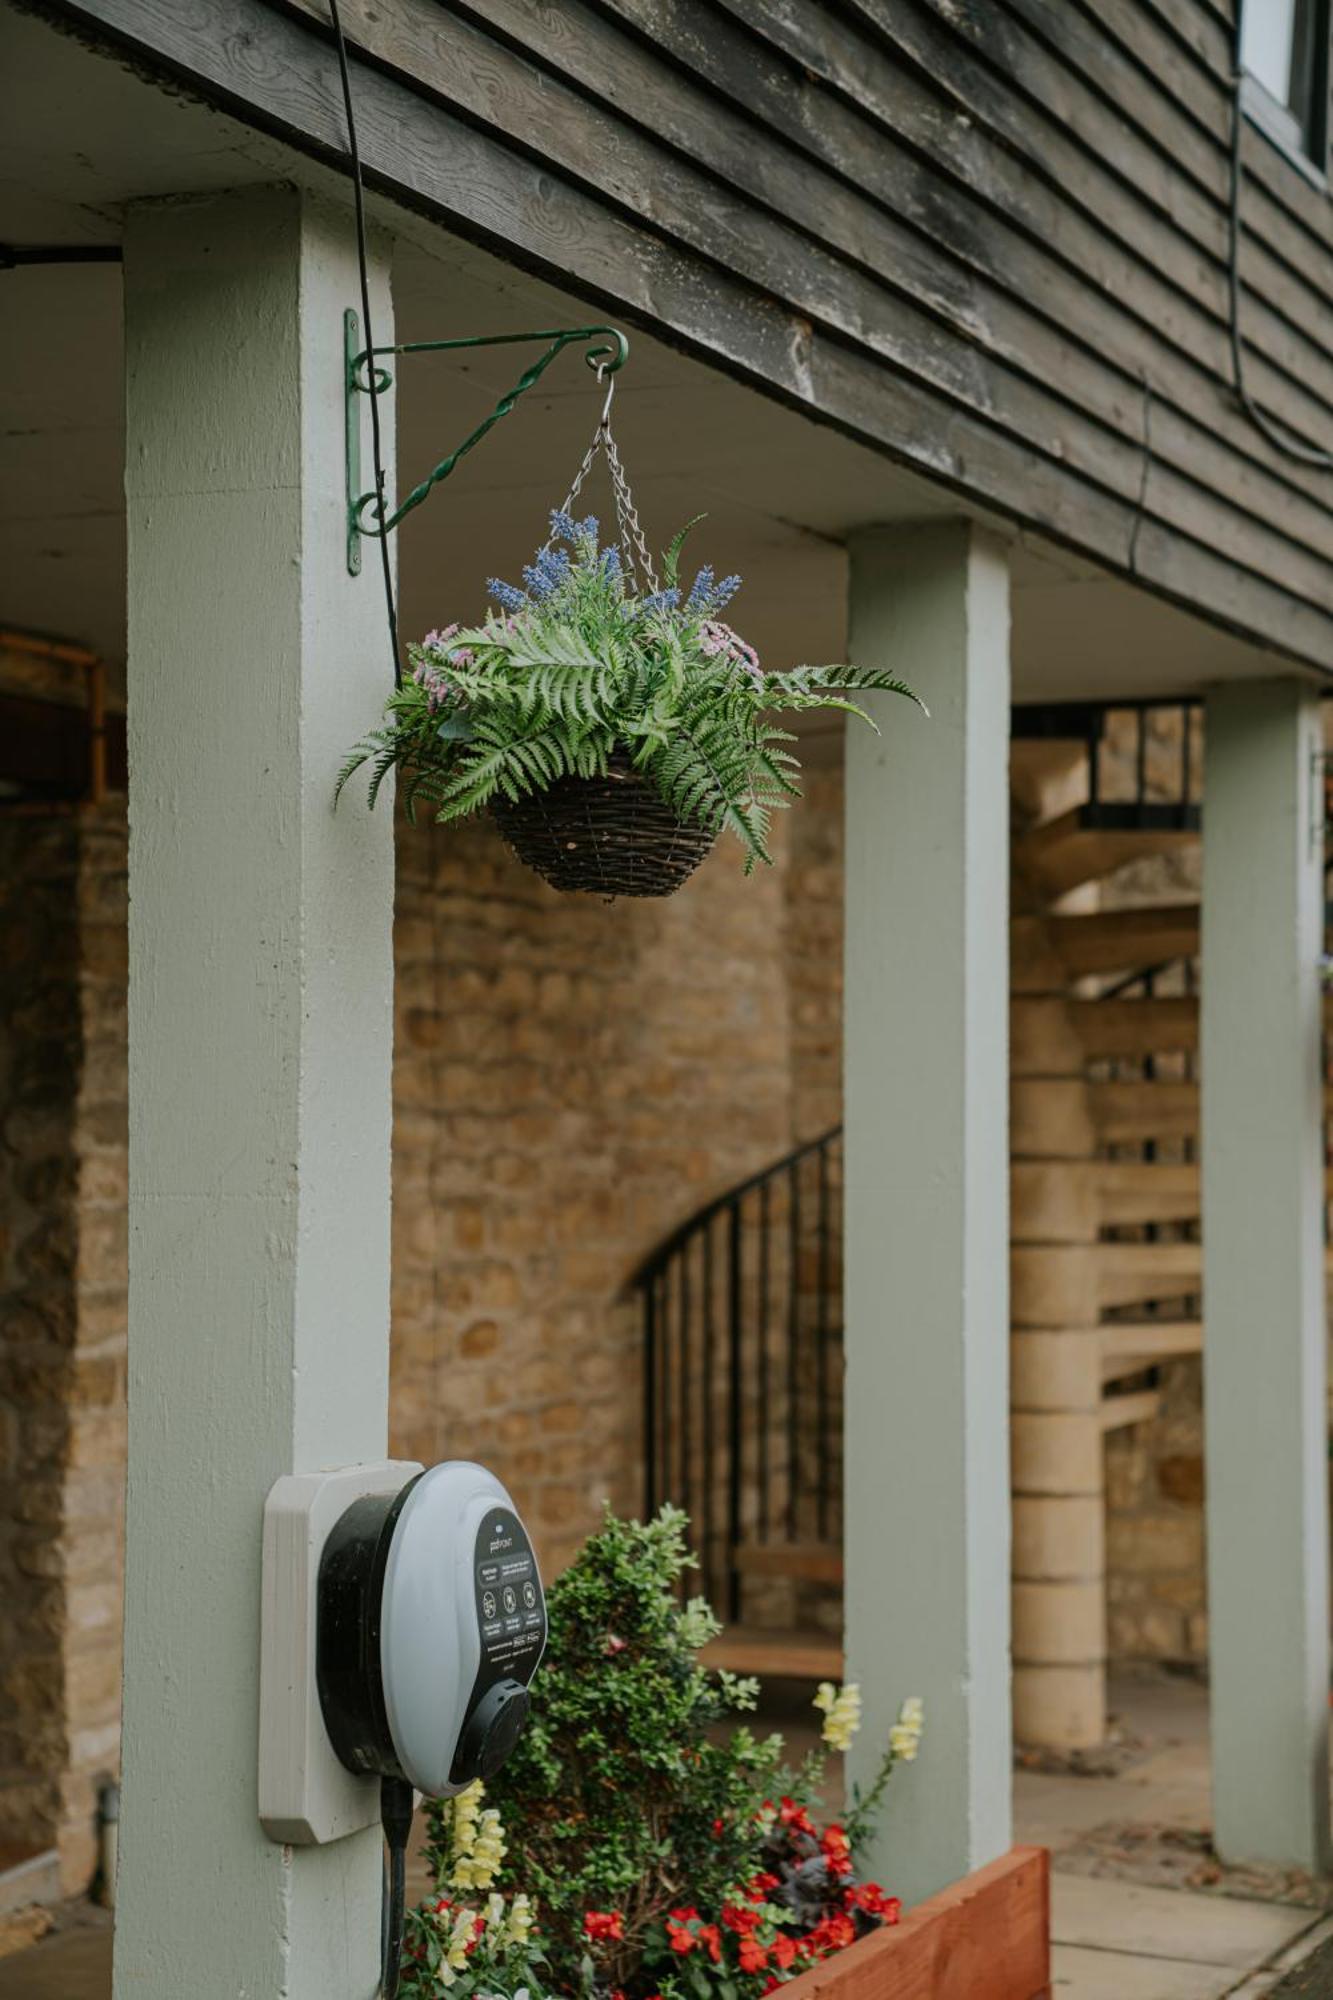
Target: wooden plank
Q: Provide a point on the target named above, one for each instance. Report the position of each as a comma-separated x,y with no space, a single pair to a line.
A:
1183,111
1118,1412
251,56
1056,1035
749,1649
1004,316
983,207
984,1938
1155,217
616,158
808,1562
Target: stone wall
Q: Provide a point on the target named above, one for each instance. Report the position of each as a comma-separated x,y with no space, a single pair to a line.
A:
572,1079
62,1325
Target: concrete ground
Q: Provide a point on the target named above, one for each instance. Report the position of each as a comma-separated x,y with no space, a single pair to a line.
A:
1119,1934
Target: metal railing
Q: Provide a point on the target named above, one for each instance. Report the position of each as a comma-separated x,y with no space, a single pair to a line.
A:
742,1374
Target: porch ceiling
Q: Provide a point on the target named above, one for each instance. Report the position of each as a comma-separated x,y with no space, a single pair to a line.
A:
780,491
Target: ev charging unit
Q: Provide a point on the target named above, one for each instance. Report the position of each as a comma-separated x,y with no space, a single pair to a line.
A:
403,1620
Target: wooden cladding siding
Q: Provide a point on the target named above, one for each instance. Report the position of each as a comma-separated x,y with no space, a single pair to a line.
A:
988,237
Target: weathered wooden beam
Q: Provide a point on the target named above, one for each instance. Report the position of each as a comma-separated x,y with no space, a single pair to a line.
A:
630,245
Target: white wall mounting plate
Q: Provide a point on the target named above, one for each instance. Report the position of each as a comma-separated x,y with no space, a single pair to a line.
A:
305,1795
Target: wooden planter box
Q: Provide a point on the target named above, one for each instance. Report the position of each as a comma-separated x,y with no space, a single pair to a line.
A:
987,1937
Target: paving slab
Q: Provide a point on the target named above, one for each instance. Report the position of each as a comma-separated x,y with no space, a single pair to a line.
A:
1168,1924
1078,1973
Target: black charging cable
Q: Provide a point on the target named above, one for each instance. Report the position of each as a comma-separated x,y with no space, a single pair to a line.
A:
396,1819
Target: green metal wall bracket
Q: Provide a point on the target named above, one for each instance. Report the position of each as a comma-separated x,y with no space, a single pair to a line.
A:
609,352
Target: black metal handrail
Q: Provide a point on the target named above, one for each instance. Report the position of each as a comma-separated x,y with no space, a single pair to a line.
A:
741,1425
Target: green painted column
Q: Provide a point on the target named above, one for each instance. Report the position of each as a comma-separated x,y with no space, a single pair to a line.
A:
927,1176
260,1046
1266,1438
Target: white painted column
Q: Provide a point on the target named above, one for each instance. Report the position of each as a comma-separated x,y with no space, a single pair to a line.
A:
927,1175
260,1030
1264,1314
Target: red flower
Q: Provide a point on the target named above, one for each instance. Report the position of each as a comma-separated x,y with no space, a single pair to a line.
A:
603,1925
868,1896
753,1957
719,1826
760,1885
795,1816
711,1937
614,1644
837,1851
682,1940
785,1950
833,1932
739,1920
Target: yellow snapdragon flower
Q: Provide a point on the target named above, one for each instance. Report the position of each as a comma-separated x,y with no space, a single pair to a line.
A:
842,1713
905,1735
519,1924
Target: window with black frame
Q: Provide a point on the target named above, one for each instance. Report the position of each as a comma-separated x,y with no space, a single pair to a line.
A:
1284,57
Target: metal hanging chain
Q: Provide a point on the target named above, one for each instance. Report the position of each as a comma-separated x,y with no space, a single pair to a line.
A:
633,544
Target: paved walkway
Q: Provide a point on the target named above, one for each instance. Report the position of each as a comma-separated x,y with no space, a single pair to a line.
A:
1114,1938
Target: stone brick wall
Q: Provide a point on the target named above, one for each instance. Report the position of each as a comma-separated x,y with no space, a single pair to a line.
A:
62,1325
572,1079
814,931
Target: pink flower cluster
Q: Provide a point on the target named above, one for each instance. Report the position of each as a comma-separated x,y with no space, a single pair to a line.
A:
720,642
429,676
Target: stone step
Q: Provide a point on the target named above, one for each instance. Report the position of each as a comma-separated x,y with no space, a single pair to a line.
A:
1062,853
1069,1201
1118,1412
1127,1346
1048,952
1051,1035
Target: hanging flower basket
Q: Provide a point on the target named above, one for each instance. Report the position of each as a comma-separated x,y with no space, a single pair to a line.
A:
611,724
610,836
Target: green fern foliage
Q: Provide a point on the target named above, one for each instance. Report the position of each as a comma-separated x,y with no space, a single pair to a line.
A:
577,664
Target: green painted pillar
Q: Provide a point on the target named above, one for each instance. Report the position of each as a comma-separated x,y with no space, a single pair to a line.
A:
926,1290
1266,1438
260,1045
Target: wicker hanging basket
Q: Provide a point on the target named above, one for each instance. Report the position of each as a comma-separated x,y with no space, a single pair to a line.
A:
611,836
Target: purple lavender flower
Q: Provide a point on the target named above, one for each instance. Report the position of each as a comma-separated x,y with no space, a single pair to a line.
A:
564,528
507,594
545,575
724,592
611,563
700,597
661,600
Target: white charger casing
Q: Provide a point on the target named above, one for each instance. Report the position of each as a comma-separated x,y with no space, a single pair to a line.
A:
462,1627
306,1795
403,1618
